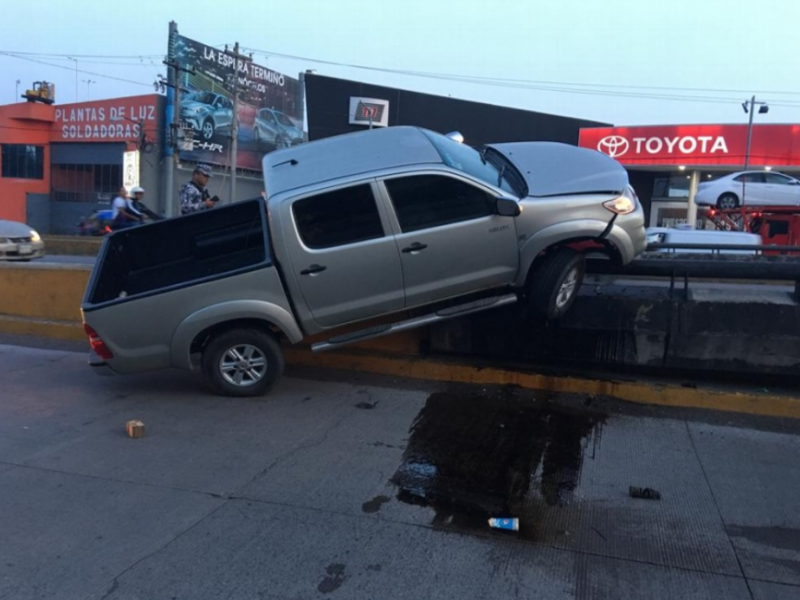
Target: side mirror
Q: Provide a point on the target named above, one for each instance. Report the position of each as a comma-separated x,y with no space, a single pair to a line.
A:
506,207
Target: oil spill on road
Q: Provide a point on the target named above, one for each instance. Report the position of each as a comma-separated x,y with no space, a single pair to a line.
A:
505,453
374,505
333,580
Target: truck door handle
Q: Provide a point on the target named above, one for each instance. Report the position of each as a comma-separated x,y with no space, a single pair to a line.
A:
414,248
313,270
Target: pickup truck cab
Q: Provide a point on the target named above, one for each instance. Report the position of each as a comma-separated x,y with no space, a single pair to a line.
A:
357,228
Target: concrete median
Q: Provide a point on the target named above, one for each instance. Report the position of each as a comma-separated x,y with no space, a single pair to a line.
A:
38,299
44,300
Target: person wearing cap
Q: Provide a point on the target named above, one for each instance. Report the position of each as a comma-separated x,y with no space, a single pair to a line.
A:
194,196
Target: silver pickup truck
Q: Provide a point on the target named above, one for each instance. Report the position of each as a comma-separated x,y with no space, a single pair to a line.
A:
399,225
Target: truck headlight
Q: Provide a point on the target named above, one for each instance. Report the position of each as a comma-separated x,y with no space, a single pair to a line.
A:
623,205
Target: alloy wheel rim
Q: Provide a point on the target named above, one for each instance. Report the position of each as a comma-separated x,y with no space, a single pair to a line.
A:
243,365
567,289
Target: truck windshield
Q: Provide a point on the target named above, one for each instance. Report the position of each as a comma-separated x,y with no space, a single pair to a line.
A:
468,160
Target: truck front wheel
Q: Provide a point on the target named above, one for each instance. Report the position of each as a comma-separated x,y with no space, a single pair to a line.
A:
242,362
555,283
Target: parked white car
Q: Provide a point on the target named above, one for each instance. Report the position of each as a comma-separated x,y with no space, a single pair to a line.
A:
19,242
664,235
759,188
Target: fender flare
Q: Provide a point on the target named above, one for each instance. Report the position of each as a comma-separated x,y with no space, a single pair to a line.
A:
234,310
555,234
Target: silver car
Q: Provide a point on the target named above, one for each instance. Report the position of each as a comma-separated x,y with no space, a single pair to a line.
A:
207,113
19,242
274,129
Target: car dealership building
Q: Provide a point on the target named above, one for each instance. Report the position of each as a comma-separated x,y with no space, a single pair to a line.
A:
667,163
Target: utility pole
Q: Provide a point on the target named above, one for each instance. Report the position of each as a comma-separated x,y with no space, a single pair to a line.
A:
749,106
174,82
235,119
88,82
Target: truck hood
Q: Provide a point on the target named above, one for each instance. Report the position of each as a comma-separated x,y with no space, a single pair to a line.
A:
554,169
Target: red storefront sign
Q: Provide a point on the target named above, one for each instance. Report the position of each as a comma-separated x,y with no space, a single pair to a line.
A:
696,145
120,119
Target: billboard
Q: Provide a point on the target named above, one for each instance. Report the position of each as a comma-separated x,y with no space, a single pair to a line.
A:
270,107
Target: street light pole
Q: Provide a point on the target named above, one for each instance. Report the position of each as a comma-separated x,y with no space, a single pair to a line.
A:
88,82
752,104
749,106
76,76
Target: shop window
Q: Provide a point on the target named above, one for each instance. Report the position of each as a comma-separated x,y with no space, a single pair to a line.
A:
22,161
672,186
84,183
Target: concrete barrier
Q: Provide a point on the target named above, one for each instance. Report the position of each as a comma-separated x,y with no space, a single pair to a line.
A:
644,328
42,299
72,245
734,330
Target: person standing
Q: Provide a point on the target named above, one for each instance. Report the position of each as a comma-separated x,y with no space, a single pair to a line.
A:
193,195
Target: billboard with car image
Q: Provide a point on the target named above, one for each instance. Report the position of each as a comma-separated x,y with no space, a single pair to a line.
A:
270,107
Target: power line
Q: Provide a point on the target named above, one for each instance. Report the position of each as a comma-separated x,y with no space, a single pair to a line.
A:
78,70
474,78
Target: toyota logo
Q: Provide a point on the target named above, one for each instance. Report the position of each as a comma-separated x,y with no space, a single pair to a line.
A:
613,145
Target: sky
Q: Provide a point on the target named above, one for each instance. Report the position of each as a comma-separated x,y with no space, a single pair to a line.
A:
627,62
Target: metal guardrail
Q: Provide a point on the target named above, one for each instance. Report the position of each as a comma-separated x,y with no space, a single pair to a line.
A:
708,265
717,249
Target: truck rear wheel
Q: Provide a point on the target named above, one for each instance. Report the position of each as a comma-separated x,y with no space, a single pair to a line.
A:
555,283
242,362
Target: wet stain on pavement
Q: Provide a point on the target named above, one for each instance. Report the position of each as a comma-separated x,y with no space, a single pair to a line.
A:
375,504
782,538
334,580
502,454
367,405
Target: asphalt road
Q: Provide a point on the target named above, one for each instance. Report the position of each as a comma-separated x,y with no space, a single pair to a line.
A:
345,486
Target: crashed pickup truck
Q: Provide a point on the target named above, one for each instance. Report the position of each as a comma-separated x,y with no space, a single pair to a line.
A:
400,225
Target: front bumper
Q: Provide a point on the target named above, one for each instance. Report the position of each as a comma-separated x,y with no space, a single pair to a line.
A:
21,250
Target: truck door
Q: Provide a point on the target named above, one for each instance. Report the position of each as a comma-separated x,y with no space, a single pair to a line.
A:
451,240
344,259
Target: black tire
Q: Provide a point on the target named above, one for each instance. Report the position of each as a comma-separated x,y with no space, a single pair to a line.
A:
207,129
727,201
260,362
555,283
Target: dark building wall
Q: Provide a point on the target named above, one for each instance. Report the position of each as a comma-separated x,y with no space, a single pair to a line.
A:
328,103
642,182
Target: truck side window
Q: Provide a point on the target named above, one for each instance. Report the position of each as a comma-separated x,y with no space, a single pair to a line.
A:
425,201
345,216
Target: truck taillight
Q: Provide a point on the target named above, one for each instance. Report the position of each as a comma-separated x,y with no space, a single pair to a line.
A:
98,345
